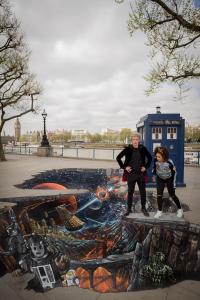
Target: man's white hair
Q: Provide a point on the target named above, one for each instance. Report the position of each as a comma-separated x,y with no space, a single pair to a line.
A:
136,134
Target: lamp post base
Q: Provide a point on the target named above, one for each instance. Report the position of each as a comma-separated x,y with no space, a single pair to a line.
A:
45,142
44,151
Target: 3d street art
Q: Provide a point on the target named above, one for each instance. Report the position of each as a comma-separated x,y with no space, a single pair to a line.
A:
84,240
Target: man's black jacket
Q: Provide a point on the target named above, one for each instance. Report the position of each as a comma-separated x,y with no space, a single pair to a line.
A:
127,152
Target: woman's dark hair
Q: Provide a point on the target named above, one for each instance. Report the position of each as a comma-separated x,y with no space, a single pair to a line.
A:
162,151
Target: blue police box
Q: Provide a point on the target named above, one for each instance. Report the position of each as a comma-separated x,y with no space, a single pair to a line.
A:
166,130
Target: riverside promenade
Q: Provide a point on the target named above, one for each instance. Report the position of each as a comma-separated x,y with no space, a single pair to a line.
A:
19,168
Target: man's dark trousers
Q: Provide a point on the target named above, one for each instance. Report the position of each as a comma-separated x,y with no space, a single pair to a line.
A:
140,180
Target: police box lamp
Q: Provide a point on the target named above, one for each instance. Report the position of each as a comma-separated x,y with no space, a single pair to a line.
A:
45,142
158,110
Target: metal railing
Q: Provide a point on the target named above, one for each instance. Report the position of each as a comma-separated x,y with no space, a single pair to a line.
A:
190,157
91,153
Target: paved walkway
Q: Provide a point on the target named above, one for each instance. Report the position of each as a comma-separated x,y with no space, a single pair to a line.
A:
19,168
13,288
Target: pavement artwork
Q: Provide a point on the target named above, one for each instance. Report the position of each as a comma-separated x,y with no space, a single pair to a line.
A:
83,239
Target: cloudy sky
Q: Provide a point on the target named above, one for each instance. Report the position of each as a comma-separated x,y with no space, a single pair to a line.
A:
91,70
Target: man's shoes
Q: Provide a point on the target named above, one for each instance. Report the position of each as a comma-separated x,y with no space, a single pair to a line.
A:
145,212
129,211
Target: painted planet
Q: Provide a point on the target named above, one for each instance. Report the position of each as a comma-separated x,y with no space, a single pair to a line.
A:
49,186
102,193
70,202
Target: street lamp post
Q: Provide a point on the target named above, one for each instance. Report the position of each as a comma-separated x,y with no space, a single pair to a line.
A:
44,142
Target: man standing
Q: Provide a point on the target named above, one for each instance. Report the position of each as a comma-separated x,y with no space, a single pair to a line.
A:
137,161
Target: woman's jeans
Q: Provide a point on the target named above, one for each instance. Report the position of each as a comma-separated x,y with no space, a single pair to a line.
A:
161,183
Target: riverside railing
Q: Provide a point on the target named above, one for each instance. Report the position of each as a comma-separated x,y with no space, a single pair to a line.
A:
190,157
91,153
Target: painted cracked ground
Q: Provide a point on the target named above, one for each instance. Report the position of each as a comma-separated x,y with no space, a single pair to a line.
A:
84,240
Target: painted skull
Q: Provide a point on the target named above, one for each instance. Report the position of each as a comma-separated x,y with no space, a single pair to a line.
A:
37,248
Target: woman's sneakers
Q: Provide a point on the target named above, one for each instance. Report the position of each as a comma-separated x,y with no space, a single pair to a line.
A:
158,214
180,213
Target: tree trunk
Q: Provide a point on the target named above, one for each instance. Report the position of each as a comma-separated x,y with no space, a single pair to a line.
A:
2,155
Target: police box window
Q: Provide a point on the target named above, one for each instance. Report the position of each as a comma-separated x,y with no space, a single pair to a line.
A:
156,133
171,133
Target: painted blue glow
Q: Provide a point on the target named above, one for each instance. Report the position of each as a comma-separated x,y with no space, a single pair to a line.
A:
88,204
95,221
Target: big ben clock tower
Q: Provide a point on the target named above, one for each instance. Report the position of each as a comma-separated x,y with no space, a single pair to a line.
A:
17,130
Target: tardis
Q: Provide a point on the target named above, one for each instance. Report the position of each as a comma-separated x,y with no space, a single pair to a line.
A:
167,130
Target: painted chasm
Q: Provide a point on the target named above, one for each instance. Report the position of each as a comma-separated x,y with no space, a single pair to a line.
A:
83,239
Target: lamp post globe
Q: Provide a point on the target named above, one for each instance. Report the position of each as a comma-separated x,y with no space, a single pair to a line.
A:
44,114
44,142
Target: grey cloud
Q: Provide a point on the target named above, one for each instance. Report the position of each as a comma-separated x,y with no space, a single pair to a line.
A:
91,69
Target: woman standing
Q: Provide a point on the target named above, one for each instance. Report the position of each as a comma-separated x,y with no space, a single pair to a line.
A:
164,170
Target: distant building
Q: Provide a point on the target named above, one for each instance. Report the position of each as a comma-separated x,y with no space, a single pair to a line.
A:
17,130
109,131
80,134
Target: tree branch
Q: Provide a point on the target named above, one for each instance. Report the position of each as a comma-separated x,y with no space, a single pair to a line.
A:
23,113
191,26
185,75
188,43
10,79
161,22
19,115
167,43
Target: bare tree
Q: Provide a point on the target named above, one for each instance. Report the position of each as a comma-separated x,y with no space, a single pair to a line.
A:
17,85
125,134
172,28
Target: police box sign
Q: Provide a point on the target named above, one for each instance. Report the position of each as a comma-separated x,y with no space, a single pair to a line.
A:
165,122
